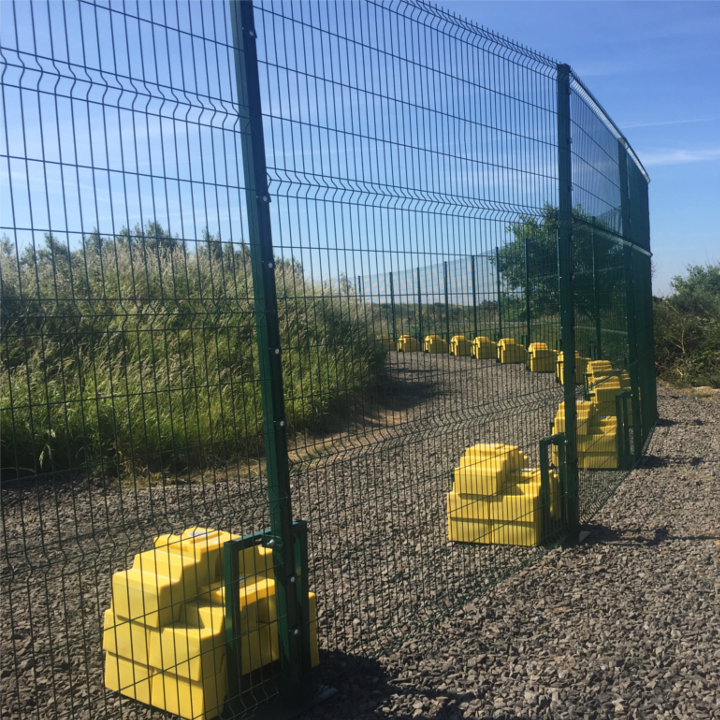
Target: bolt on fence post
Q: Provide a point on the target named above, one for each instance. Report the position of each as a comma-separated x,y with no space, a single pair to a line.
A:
289,610
527,287
628,258
474,295
392,308
420,317
447,300
499,296
567,300
596,292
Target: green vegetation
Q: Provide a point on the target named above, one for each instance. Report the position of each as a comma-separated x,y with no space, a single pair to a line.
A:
597,258
687,329
135,347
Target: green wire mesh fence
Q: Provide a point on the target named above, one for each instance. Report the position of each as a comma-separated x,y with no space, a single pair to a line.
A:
318,319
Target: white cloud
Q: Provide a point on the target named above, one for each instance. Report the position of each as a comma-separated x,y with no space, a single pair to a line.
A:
627,126
677,157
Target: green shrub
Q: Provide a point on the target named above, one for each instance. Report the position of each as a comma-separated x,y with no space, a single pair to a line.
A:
136,350
687,329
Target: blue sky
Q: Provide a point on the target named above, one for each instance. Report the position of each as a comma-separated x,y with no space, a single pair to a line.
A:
655,67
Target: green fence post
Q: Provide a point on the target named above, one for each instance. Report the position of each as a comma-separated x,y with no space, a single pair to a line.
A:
392,309
628,252
447,301
282,541
499,295
527,287
596,292
567,300
420,317
474,296
359,287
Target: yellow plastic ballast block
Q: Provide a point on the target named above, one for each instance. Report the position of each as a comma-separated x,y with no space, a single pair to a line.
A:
502,343
600,443
598,461
193,700
152,599
407,343
502,502
128,639
517,532
164,634
516,507
483,348
256,563
435,344
468,507
129,678
580,367
513,353
517,520
485,468
470,531
190,652
599,369
587,417
460,346
543,361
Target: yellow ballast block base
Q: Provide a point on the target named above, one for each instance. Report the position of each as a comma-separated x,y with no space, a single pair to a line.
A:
164,634
406,343
495,498
460,346
598,461
435,344
470,531
193,700
129,678
483,352
580,367
542,365
513,354
468,507
525,534
128,639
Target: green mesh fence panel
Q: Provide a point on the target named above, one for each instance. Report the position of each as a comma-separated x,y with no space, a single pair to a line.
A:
272,270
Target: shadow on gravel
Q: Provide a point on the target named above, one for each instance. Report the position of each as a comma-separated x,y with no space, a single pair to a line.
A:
601,534
365,691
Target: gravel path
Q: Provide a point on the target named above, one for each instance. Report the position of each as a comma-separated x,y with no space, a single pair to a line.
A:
624,625
381,565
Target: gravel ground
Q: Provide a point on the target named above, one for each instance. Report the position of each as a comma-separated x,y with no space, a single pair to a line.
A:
625,624
381,564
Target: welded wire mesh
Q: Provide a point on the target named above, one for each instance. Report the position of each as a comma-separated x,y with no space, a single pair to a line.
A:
292,261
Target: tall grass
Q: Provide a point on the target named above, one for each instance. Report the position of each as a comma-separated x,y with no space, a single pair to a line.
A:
136,349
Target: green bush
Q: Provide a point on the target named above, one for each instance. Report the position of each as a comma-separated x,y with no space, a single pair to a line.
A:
687,329
136,350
